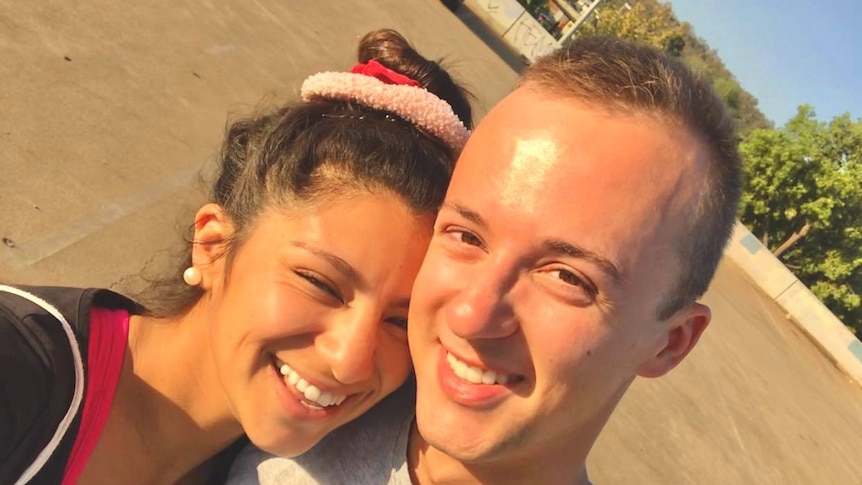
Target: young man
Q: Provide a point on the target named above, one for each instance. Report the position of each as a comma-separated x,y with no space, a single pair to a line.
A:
586,215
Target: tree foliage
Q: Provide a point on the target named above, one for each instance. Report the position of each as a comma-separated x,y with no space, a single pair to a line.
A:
803,199
649,22
654,23
803,195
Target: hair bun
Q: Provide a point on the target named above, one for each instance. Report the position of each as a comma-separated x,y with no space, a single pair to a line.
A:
391,49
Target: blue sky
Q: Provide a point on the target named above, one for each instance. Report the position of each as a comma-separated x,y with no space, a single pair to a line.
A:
787,53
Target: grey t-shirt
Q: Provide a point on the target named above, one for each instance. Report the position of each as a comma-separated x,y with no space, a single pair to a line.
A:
369,451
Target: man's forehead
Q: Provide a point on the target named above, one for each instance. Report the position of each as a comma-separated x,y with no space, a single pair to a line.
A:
577,172
527,143
531,164
536,140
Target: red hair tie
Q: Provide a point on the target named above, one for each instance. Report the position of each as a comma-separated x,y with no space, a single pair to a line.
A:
377,70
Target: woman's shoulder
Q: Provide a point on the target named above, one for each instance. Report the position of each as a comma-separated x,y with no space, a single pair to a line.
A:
43,337
41,329
70,301
38,348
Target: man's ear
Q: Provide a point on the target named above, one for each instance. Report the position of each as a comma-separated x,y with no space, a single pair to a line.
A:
684,330
213,228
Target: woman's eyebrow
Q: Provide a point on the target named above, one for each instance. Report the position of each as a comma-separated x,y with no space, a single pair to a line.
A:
401,304
339,264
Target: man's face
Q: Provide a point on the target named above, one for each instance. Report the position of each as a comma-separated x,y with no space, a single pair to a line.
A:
536,304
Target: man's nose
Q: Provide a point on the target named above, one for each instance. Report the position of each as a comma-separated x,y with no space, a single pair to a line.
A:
483,308
349,346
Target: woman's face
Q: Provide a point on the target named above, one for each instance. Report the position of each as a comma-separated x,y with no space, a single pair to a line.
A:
308,321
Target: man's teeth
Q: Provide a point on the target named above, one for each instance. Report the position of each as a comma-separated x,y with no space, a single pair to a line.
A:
475,375
312,393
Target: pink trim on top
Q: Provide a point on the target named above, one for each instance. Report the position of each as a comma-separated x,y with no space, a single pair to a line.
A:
109,333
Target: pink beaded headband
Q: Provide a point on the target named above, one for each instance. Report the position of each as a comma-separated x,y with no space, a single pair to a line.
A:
378,87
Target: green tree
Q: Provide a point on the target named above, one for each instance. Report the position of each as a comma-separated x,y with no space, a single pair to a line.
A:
652,23
803,199
655,23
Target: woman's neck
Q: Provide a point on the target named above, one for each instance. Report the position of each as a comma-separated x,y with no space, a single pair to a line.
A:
170,415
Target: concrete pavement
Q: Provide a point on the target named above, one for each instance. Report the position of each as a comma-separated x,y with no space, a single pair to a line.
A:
755,403
108,111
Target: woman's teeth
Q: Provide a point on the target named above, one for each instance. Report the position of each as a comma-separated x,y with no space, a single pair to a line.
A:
314,398
475,375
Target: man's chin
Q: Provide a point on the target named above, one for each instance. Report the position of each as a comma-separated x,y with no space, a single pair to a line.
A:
460,439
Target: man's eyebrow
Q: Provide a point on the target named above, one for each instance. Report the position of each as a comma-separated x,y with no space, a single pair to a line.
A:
575,251
339,264
466,213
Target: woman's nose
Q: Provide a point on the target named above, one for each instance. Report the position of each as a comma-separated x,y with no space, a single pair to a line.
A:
349,347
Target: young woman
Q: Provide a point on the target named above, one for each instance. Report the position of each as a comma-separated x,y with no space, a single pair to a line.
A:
286,319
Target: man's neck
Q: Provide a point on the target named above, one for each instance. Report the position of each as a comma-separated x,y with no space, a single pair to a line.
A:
430,466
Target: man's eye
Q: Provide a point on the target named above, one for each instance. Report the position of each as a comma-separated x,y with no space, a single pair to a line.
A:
571,286
567,277
572,279
320,284
460,239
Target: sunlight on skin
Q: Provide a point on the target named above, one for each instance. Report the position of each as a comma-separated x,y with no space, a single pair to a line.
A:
531,165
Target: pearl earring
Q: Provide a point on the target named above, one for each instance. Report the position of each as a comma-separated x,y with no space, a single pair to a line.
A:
192,276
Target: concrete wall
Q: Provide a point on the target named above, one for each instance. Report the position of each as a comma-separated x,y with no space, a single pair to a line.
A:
515,26
802,307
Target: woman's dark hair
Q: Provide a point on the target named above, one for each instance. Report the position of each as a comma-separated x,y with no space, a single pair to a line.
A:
318,150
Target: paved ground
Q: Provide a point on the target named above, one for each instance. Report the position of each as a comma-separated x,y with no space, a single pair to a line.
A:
755,403
108,111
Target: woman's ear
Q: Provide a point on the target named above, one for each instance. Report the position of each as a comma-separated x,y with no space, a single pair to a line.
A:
684,330
213,228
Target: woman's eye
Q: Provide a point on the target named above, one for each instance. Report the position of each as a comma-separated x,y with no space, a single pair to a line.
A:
320,284
470,238
400,322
